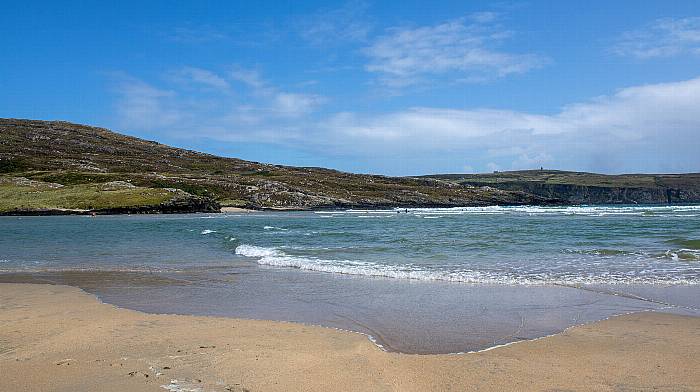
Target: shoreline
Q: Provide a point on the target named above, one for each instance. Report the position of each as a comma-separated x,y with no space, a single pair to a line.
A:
157,210
466,329
65,338
383,338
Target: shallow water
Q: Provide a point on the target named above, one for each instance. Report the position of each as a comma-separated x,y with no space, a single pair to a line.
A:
421,281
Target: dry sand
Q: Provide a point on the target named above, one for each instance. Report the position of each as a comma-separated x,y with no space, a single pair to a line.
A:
58,338
235,209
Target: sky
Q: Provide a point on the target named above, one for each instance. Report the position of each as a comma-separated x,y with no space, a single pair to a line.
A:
391,87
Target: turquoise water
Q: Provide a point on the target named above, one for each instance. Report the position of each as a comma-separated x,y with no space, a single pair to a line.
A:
493,245
416,280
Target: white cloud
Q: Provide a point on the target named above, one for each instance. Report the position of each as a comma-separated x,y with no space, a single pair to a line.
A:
278,102
653,127
345,24
141,105
258,111
295,105
483,17
645,119
663,38
195,34
249,77
203,77
466,48
629,114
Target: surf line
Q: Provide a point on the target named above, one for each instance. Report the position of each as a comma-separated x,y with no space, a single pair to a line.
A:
626,295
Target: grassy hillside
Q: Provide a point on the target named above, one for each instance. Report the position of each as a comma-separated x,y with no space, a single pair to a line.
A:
19,195
77,161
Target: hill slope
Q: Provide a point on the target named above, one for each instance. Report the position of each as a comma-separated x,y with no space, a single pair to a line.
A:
49,166
590,188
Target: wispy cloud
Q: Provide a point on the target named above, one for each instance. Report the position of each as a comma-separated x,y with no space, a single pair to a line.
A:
250,77
202,77
466,49
258,111
143,106
664,37
195,34
281,103
295,105
345,24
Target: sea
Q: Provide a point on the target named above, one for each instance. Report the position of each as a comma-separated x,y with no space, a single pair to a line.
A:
416,281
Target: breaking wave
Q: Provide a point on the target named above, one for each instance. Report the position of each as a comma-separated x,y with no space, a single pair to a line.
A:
646,211
275,257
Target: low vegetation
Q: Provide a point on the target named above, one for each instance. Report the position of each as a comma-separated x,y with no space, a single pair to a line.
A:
82,157
67,165
19,194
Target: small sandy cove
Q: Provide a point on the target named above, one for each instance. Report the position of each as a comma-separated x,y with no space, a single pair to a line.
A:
59,338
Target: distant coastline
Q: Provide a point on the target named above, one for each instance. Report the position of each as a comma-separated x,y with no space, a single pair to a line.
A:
60,168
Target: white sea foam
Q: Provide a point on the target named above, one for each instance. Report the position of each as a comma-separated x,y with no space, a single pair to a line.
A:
683,254
276,257
180,386
255,251
598,211
274,228
207,231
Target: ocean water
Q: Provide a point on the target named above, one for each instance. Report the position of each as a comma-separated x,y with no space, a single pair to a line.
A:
415,280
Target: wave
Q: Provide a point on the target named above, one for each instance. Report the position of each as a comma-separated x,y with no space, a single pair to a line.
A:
274,228
682,254
686,243
95,269
604,252
276,257
600,211
207,231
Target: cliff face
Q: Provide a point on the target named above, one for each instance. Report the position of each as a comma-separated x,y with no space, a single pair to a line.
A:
591,188
583,194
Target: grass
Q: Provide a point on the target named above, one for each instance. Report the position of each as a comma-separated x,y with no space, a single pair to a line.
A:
75,178
555,177
40,195
233,203
84,157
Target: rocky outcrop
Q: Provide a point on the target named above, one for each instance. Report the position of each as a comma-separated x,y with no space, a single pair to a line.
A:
586,194
174,206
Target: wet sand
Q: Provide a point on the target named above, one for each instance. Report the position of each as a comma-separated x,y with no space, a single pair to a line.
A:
59,338
401,316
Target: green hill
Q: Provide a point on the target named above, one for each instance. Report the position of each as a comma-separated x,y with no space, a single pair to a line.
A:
60,167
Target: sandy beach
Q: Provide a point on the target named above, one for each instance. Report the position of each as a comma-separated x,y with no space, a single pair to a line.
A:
59,338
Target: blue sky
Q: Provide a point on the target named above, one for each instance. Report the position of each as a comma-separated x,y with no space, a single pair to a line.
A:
397,88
